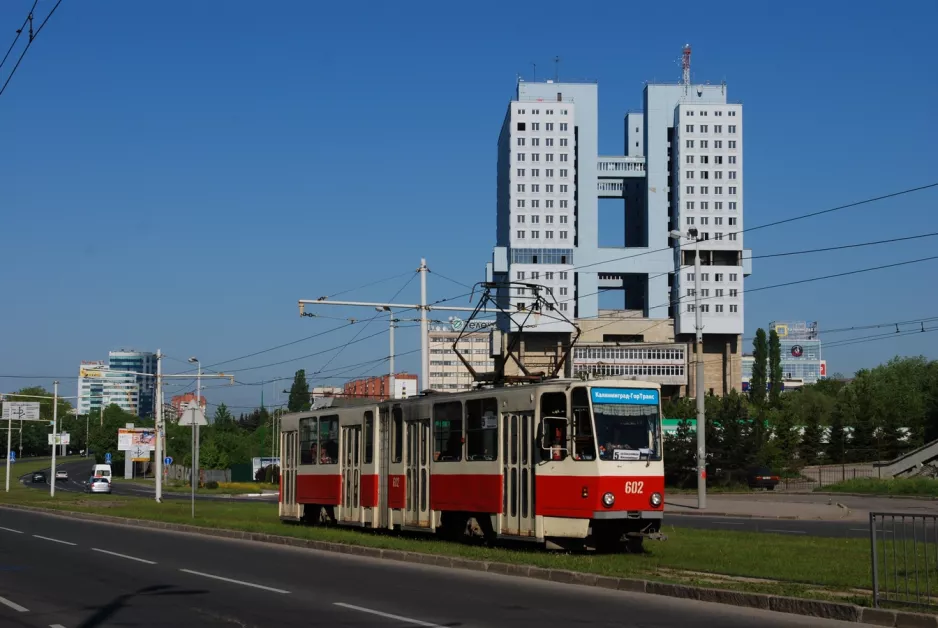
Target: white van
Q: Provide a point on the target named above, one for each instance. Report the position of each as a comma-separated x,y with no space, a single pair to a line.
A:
102,471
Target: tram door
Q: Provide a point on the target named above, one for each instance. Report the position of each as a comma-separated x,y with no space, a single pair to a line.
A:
384,466
417,483
289,451
351,476
517,474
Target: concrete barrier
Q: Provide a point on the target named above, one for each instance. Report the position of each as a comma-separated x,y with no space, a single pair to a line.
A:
762,601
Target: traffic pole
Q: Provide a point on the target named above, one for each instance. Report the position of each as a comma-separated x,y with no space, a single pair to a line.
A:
55,419
9,448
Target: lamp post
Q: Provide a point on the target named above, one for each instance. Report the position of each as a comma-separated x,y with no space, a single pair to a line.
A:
692,234
195,432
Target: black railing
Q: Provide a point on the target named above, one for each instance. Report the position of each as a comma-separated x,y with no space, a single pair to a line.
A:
904,553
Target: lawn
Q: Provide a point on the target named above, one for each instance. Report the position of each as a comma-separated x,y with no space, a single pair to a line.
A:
802,566
924,487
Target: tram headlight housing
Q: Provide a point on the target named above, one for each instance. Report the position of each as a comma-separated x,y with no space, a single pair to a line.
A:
608,500
656,499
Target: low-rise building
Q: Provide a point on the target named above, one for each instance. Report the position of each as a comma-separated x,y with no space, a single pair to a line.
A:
379,387
447,372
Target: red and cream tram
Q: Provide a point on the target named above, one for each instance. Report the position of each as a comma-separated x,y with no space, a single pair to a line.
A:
569,463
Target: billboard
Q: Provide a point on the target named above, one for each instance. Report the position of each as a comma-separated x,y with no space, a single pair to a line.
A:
138,438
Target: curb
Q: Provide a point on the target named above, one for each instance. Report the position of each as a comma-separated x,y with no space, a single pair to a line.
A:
760,601
872,495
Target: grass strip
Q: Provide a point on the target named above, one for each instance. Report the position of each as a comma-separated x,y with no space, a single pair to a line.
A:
820,568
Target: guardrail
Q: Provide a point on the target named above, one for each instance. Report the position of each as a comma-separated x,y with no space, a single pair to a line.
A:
904,553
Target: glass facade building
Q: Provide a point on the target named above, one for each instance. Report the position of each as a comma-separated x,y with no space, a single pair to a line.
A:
138,362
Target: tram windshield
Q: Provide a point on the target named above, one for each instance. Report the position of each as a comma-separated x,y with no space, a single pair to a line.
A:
627,423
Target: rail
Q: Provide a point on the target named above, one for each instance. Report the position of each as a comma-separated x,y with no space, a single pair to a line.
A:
904,555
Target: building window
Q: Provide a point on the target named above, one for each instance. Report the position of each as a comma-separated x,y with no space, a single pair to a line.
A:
734,308
732,128
718,309
549,235
563,275
563,291
731,144
549,276
520,275
718,143
535,234
718,277
549,126
535,219
563,173
689,144
732,174
520,172
732,236
690,189
564,156
549,141
705,308
703,143
521,126
705,276
549,219
704,220
704,189
521,235
563,307
718,292
734,292
535,172
535,126
689,174
549,188
718,174
690,159
521,187
689,205
718,221
520,202
563,235
550,205
732,204
520,156
689,220
732,190
703,128
733,276
718,189
690,276
563,204
732,221
563,141
704,205
718,236
521,218
704,174
689,128
732,159
520,141
563,219
563,126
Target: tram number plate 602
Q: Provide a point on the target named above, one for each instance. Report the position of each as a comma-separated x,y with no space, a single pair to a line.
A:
634,487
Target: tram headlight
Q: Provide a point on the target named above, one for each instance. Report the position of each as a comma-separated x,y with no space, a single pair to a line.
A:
656,499
608,500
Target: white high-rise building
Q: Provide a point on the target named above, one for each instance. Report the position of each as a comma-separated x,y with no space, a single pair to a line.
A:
98,388
682,168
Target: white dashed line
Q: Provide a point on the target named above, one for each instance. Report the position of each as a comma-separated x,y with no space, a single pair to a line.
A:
786,531
727,523
56,626
407,620
16,607
10,530
241,582
47,538
141,560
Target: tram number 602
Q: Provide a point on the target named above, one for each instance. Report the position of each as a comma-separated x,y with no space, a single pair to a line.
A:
634,487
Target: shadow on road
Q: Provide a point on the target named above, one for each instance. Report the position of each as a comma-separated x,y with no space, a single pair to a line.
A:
104,613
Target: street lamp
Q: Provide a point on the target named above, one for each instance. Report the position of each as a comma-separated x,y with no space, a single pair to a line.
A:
692,235
391,381
195,432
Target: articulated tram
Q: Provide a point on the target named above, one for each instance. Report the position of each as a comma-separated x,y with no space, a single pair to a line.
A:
567,463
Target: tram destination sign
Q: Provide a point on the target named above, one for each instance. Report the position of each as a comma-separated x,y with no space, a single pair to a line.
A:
640,396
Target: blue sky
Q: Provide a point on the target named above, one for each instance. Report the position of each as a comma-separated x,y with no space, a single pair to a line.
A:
176,175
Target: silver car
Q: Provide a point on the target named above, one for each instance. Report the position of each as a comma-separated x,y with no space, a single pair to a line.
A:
98,485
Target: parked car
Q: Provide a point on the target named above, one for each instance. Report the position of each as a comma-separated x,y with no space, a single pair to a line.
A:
61,476
39,476
98,485
762,477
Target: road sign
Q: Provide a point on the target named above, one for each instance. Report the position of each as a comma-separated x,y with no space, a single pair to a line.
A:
168,460
62,438
107,458
21,410
139,453
12,456
193,415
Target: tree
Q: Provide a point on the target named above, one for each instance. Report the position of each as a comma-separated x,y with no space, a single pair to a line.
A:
841,414
758,380
222,416
299,393
786,437
33,439
775,368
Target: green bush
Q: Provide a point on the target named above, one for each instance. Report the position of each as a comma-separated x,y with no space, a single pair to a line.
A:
211,484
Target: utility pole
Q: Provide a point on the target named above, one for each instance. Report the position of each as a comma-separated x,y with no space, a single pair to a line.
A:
159,425
692,234
701,406
423,306
55,420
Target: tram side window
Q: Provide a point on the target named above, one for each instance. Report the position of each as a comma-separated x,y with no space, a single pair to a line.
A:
584,447
554,426
309,440
447,431
369,436
482,429
329,439
398,421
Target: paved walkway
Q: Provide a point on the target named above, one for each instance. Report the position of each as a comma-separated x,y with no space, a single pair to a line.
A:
791,506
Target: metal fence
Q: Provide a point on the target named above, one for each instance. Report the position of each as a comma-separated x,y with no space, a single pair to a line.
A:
904,552
819,477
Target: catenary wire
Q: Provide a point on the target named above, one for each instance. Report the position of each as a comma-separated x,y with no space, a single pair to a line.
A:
26,49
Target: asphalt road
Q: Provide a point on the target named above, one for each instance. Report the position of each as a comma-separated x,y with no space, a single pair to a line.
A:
65,573
79,471
796,527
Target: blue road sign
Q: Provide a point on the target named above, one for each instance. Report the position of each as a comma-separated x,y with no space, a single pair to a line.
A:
168,460
107,458
12,456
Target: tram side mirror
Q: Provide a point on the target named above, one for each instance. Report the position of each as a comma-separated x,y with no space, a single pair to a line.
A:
553,437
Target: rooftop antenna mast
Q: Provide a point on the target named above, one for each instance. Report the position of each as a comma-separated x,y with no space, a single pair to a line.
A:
534,65
685,69
556,69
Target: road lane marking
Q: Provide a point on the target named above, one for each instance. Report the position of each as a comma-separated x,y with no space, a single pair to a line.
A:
56,626
47,538
10,530
142,560
241,582
727,523
13,605
406,620
786,531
